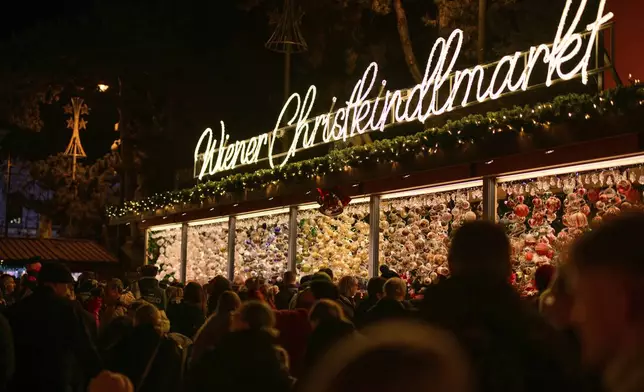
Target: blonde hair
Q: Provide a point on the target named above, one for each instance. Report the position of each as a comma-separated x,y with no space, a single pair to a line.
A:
346,284
395,288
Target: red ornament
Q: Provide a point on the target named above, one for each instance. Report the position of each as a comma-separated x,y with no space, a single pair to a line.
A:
553,204
633,195
537,202
522,210
623,186
581,191
585,209
529,256
593,195
577,219
542,248
332,202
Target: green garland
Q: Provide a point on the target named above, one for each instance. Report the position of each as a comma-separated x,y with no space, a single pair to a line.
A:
470,129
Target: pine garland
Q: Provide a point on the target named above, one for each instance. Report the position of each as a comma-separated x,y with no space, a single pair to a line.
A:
468,130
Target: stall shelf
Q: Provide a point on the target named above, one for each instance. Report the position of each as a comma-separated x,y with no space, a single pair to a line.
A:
261,244
207,250
545,210
340,242
164,247
415,228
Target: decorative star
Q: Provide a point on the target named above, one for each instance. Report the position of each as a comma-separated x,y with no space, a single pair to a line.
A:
82,124
84,109
70,123
68,109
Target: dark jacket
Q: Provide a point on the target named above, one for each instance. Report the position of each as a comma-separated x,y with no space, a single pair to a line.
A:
186,318
387,309
363,307
7,362
323,337
348,306
54,347
283,298
243,361
511,346
150,291
132,355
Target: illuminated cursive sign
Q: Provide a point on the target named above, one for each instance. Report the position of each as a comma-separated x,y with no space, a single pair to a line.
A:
363,114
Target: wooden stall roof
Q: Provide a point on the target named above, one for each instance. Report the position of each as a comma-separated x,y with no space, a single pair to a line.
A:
62,250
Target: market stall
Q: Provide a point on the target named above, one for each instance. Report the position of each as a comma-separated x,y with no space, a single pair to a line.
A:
514,154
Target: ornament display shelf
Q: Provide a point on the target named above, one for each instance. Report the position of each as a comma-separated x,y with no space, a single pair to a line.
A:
207,251
340,242
541,210
415,231
543,215
164,250
261,246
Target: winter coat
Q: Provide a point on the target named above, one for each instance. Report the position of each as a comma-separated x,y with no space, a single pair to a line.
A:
511,346
348,306
186,318
7,362
387,309
150,291
294,329
362,309
283,298
246,361
324,337
55,349
132,355
210,334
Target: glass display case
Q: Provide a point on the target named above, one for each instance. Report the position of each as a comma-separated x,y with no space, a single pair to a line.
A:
207,251
340,243
261,245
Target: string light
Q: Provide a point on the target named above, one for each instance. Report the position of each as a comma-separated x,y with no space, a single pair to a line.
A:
625,100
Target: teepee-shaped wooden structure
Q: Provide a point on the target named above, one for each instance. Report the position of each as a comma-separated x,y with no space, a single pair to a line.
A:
76,123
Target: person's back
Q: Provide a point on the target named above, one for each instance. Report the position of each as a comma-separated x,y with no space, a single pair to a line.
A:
149,358
54,349
392,306
7,359
511,346
189,315
329,327
247,360
288,289
149,288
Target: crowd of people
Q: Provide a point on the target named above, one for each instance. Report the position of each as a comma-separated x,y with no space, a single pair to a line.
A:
470,332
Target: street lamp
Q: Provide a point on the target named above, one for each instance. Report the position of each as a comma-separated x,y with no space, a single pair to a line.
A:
103,87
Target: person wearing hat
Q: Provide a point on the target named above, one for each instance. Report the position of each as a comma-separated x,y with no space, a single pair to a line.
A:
148,288
54,351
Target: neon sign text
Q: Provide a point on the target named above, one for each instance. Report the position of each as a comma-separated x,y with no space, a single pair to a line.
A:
362,114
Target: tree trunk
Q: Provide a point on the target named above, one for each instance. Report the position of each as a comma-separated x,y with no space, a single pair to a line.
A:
482,30
405,41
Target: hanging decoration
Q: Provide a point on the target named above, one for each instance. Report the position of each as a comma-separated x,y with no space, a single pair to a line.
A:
332,202
415,232
543,216
261,249
337,242
207,252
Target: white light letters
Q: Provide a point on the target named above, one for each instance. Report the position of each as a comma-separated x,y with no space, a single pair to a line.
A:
428,98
